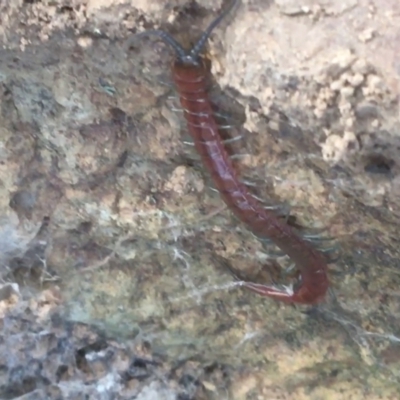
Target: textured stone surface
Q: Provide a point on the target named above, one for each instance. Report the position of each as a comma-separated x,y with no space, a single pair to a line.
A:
43,356
135,238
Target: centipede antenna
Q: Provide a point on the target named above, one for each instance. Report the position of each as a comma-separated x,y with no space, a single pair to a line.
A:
166,38
194,53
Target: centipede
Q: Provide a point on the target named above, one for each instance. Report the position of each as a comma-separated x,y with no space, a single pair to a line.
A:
190,74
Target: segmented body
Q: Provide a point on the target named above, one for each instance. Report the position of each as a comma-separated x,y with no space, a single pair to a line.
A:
190,75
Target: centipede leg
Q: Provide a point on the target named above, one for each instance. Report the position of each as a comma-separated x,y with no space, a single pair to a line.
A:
282,210
213,189
188,143
290,269
248,183
320,242
178,110
238,156
270,291
265,244
285,294
226,264
263,240
332,254
233,139
316,238
226,141
225,127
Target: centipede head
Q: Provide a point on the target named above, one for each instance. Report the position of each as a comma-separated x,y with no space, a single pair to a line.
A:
192,56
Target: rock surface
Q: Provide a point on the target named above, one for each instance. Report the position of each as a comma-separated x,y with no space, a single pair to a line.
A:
109,229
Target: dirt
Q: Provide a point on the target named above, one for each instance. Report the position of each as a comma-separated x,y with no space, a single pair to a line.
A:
136,243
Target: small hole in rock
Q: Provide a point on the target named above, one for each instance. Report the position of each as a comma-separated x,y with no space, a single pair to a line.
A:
378,165
61,372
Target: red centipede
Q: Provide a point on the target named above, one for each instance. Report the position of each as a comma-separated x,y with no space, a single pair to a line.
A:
190,74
